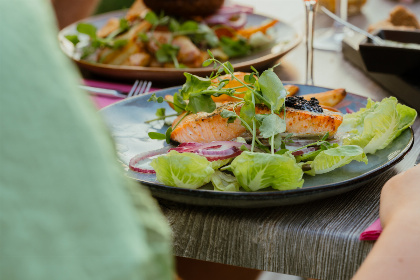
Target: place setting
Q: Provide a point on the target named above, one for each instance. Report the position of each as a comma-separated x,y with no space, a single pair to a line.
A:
133,120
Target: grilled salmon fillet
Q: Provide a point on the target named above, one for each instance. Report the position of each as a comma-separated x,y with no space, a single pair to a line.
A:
207,127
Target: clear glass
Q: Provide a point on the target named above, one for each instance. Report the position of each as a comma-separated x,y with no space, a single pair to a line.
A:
310,6
329,39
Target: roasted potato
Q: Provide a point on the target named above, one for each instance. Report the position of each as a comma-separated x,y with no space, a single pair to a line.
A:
292,89
328,98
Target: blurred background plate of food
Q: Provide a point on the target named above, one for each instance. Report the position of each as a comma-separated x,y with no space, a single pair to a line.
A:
161,44
400,18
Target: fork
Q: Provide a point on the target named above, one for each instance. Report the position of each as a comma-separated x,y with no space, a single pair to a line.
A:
139,87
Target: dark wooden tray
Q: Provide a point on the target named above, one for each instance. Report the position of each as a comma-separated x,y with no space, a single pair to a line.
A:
405,87
395,60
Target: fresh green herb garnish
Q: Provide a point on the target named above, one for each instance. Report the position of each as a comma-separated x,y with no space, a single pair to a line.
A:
96,42
74,39
234,48
167,53
267,90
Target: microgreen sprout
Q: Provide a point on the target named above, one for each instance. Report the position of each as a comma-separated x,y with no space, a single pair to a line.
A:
261,89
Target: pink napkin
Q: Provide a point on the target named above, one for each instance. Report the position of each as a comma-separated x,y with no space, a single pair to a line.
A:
103,101
372,232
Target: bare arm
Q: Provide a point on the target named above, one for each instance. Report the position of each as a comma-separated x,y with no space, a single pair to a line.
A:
396,254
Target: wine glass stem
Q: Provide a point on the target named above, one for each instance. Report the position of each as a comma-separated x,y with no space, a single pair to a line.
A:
310,17
340,11
343,9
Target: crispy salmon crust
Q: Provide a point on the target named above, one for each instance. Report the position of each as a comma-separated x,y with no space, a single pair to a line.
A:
207,127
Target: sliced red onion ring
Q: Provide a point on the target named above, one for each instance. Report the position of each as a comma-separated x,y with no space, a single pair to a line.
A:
217,150
235,21
349,111
301,142
304,142
235,9
185,146
138,162
305,151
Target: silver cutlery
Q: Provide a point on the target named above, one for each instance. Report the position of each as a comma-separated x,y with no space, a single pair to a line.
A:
139,87
374,38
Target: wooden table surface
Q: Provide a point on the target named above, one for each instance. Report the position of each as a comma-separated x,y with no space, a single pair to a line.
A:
318,239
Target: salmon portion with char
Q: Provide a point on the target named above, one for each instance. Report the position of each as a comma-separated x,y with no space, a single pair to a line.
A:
207,127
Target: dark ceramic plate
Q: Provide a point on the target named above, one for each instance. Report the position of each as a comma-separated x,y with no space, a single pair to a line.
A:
286,38
126,122
390,59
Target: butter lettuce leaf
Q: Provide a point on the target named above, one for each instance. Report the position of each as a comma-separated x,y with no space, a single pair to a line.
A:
255,171
334,158
224,182
376,126
216,164
183,170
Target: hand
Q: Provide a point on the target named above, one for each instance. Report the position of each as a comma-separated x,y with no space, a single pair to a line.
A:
400,197
396,254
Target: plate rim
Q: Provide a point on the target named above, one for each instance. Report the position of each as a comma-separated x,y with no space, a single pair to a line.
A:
296,41
272,195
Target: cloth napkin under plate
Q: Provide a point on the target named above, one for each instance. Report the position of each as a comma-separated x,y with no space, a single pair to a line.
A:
103,101
372,232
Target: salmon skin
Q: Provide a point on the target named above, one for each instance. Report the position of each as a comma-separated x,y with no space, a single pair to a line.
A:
207,127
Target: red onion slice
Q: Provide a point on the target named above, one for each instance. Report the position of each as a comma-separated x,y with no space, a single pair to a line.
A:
235,9
305,151
235,21
185,146
217,150
138,161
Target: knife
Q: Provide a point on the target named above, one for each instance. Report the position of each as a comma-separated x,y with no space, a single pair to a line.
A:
103,91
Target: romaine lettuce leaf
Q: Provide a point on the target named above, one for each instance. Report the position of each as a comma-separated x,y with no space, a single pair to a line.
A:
255,171
334,158
183,170
374,127
224,182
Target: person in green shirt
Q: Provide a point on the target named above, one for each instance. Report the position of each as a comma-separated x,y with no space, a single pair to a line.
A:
66,209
